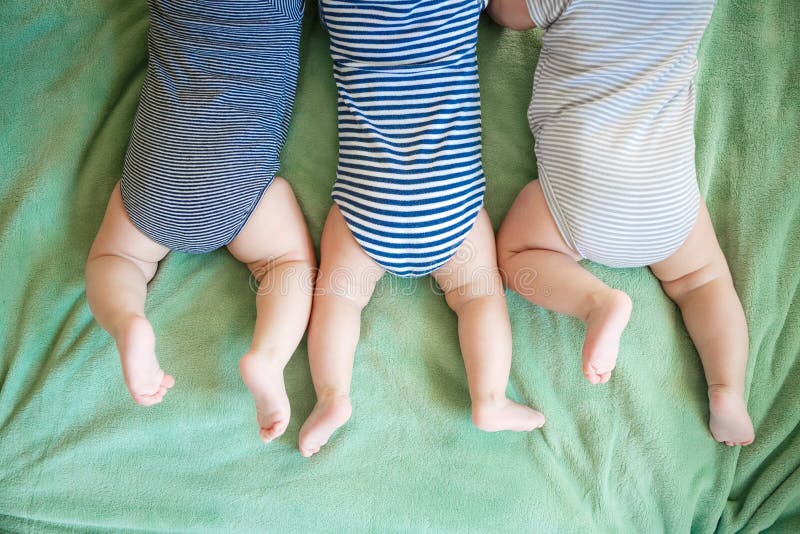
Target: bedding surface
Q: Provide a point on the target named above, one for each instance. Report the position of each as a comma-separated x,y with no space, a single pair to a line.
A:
76,454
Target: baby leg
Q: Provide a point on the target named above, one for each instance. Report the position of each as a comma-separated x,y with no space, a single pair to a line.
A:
697,278
537,263
474,290
346,281
121,262
276,247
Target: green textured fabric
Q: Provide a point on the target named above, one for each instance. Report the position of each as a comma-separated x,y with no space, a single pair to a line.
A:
76,454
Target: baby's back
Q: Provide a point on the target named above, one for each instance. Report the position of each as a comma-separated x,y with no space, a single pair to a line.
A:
213,115
409,181
613,117
618,73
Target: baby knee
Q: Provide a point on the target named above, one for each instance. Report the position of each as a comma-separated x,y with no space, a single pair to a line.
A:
504,249
679,288
347,286
480,287
303,254
297,263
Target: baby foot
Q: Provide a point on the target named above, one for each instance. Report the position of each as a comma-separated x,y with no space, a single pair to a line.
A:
144,377
264,378
330,412
494,416
604,326
729,422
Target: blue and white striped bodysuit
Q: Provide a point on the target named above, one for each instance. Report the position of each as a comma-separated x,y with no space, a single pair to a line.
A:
212,118
409,182
612,113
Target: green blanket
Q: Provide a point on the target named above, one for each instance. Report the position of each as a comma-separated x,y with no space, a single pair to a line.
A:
633,455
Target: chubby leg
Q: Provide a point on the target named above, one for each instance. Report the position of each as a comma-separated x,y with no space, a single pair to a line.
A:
276,247
537,263
121,262
474,290
345,283
697,278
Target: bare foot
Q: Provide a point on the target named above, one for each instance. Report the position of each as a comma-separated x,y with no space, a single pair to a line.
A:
505,414
604,326
729,422
264,378
330,412
144,377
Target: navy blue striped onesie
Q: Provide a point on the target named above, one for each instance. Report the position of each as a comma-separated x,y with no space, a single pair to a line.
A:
409,182
212,118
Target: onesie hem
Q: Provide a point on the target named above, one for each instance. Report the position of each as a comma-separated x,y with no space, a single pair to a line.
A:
429,270
555,211
137,223
685,237
251,209
150,235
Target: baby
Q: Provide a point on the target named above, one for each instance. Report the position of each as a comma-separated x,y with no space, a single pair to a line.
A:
613,114
199,174
408,198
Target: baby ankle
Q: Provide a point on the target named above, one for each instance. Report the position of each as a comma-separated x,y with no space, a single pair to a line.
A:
725,389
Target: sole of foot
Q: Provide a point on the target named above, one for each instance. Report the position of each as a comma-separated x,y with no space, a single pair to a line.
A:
729,421
505,415
136,343
604,327
263,376
330,413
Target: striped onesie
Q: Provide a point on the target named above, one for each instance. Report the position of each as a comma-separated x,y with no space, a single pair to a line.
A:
613,117
409,181
212,118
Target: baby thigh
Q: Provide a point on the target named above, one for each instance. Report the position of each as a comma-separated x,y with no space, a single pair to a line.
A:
474,290
697,278
537,263
121,262
277,248
345,283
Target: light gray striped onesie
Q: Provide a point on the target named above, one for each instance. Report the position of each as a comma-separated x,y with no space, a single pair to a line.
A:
613,117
